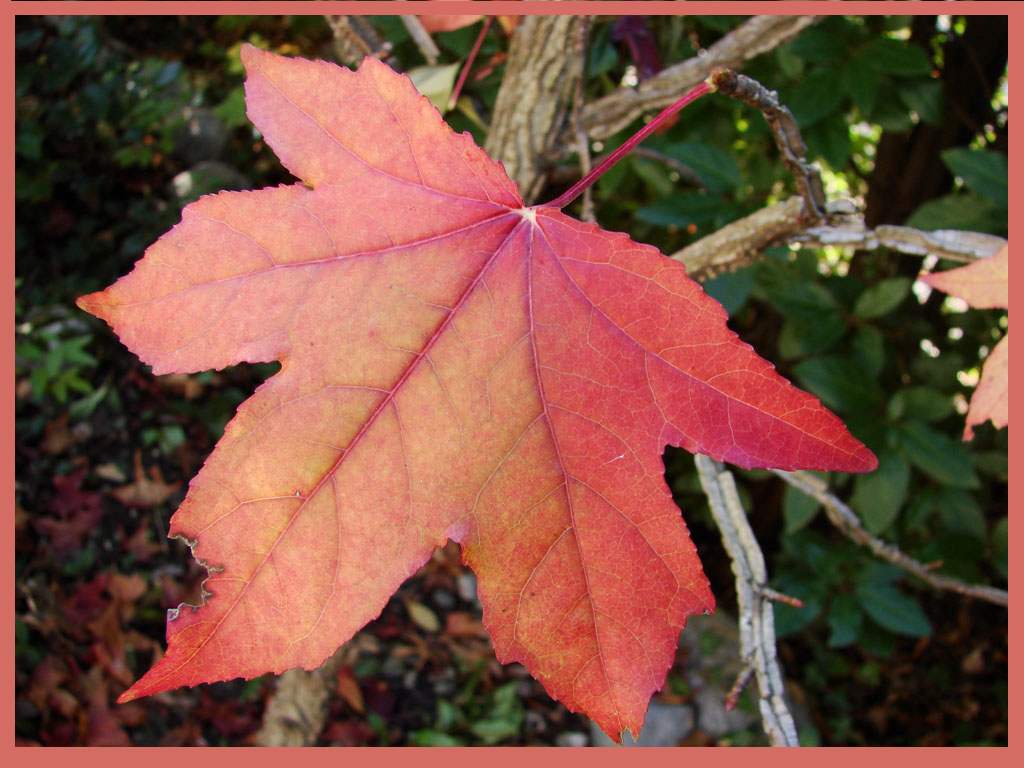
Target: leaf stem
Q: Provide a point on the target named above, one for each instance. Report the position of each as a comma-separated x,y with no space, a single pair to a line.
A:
577,189
468,63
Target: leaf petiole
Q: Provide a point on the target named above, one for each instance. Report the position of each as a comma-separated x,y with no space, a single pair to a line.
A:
468,63
577,189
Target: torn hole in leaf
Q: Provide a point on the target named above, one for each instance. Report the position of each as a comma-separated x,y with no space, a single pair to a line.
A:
204,593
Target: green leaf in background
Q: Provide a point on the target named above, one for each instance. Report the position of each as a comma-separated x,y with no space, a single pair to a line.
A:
29,142
231,110
802,336
435,82
960,555
715,167
882,298
788,619
602,56
798,509
505,718
456,41
920,510
892,609
937,455
681,210
427,737
830,139
656,175
878,497
83,408
844,620
889,112
895,57
793,294
816,44
993,463
1000,546
731,289
922,403
861,84
969,212
869,349
937,371
924,98
815,97
984,171
840,383
960,513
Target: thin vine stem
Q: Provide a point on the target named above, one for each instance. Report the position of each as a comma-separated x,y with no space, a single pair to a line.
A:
468,63
577,189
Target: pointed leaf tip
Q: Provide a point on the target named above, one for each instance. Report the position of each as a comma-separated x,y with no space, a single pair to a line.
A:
249,53
127,696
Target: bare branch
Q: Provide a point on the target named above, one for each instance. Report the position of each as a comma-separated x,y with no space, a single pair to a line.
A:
582,141
756,613
951,244
740,243
422,38
355,38
605,116
534,97
785,132
846,520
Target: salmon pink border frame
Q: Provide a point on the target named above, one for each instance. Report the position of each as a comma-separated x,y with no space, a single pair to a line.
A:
156,757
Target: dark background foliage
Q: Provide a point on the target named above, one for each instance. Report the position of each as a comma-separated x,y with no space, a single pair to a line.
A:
123,121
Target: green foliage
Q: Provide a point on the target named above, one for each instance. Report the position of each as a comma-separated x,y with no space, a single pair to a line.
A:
471,719
882,600
798,509
982,206
878,497
883,297
982,170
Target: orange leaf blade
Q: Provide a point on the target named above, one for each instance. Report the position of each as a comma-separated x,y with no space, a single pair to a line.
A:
454,366
991,398
984,284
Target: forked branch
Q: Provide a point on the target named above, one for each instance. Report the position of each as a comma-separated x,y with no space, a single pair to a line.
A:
785,132
756,613
740,243
605,116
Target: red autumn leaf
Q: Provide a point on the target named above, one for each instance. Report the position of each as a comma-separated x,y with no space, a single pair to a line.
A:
985,284
454,366
439,23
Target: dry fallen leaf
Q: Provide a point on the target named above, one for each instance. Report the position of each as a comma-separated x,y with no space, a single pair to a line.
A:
145,491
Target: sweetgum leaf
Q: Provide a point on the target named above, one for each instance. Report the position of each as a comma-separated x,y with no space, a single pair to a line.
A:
454,366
